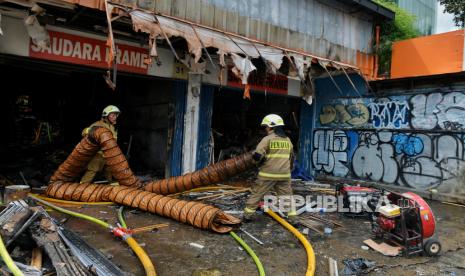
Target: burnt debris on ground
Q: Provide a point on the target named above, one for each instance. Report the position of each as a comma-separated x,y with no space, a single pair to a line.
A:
280,252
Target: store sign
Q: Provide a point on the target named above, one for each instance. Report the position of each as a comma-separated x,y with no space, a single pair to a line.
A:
90,52
179,70
262,82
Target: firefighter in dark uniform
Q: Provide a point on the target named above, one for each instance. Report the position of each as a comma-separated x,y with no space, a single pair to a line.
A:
275,155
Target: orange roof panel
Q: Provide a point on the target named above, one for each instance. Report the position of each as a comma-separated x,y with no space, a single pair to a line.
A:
428,55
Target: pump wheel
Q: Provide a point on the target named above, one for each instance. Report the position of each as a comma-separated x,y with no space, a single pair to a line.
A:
432,247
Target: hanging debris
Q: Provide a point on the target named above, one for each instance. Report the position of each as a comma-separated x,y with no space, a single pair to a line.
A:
36,31
242,67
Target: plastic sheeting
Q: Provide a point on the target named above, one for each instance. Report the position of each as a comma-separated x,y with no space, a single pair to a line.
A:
146,22
242,67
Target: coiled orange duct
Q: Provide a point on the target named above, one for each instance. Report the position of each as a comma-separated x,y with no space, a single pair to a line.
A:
209,175
84,192
114,157
194,213
98,138
76,162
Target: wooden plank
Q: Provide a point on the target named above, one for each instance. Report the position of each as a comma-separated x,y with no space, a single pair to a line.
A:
383,248
332,267
313,225
45,235
224,194
328,221
36,259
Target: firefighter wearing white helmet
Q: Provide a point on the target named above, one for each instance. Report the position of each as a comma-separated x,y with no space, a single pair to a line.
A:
110,109
275,155
272,120
97,164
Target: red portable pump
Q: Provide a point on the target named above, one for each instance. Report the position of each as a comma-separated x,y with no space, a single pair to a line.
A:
353,196
407,221
404,219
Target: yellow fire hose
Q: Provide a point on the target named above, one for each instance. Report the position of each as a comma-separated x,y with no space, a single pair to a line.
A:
121,219
143,257
311,263
261,270
120,232
206,188
7,259
49,199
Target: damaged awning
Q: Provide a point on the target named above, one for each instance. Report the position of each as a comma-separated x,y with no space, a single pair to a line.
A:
199,37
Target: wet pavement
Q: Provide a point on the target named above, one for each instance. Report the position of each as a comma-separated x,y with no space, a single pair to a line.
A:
281,254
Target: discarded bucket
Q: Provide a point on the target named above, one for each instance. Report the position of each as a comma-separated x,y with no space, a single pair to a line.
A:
15,192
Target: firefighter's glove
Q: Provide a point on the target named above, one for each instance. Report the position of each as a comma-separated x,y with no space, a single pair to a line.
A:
258,158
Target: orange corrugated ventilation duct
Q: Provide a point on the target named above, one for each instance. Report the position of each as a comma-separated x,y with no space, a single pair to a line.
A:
209,175
153,198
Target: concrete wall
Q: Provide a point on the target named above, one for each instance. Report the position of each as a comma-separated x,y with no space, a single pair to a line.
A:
414,140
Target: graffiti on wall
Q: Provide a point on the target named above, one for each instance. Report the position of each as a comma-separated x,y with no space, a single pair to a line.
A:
416,160
438,111
387,113
435,111
415,141
374,157
351,115
330,152
376,113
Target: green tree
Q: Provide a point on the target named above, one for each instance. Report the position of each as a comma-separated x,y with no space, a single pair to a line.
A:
457,8
400,29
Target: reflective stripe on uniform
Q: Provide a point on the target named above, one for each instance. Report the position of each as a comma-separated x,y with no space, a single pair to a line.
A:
275,175
278,155
280,144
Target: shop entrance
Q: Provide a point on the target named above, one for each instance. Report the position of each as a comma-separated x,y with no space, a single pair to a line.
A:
236,121
44,107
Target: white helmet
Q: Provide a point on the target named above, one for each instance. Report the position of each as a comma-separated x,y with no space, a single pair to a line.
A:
272,120
110,109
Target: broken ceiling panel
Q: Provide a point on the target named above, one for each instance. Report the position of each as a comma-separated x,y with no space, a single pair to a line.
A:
302,64
242,67
37,32
199,37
